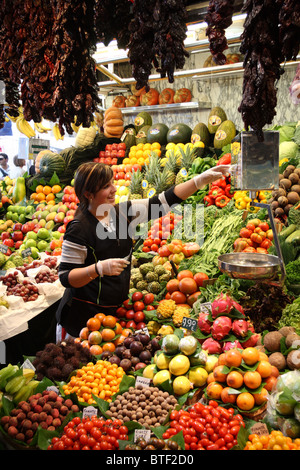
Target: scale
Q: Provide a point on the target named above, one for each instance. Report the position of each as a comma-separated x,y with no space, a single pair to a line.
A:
255,167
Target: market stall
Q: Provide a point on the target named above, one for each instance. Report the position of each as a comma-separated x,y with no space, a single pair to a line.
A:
203,354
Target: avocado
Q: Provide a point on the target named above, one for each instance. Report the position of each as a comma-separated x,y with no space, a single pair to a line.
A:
224,134
216,116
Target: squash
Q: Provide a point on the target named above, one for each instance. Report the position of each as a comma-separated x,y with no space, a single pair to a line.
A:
50,163
38,159
119,101
113,122
85,136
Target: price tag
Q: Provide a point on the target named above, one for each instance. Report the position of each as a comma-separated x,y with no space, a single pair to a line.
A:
27,364
26,252
144,381
189,323
4,249
143,330
89,411
205,307
260,429
52,388
142,434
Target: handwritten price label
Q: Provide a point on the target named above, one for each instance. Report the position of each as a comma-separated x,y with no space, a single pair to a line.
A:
189,323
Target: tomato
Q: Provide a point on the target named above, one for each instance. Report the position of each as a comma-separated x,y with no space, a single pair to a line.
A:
185,274
148,299
130,314
131,324
188,286
139,316
264,226
199,278
137,296
127,304
193,297
154,247
150,307
178,297
137,306
245,233
256,238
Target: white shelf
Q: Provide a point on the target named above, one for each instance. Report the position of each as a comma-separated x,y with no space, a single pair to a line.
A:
167,107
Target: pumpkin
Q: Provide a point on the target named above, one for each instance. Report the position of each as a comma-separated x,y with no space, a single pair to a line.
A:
150,98
85,136
119,101
132,101
113,123
166,96
182,95
50,163
38,159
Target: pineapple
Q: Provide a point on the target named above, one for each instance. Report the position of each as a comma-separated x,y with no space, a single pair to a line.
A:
166,308
152,172
187,158
171,168
135,185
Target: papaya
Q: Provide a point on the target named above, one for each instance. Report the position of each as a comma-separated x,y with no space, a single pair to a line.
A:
19,191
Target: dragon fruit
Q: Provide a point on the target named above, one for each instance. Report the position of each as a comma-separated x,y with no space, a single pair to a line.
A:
203,323
240,328
238,307
221,327
212,346
231,345
221,305
252,341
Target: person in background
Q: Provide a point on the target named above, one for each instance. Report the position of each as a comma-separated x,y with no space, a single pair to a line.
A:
4,167
19,167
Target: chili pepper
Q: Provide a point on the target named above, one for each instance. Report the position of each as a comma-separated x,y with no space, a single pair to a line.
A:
220,182
228,191
215,191
222,201
208,201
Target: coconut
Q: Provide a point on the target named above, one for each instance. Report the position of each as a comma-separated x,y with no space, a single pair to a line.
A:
293,359
272,341
291,338
277,359
285,330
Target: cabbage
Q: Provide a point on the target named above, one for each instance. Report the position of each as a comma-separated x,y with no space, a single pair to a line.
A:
286,133
288,150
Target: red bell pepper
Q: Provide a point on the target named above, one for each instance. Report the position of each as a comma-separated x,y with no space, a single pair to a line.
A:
220,182
228,191
222,201
208,201
225,159
215,191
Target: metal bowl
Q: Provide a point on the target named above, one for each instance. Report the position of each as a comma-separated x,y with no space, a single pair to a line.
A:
249,265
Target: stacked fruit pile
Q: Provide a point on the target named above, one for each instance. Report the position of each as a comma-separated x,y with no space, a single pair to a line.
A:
256,237
111,154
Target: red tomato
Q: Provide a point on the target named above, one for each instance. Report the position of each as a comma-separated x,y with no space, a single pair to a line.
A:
131,324
121,146
139,316
178,297
138,306
266,243
137,296
148,299
130,314
188,286
245,233
199,278
264,226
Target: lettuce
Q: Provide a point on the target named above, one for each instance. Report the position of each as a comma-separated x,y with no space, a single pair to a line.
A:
288,149
286,133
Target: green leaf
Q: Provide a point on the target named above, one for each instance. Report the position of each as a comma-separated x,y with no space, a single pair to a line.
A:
54,179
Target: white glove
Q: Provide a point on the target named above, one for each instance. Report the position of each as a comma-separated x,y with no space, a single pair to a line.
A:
112,266
211,175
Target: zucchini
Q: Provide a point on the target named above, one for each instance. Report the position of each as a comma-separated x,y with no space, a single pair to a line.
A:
294,238
287,231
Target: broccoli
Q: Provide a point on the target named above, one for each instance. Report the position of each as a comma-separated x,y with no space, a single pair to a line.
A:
294,215
293,272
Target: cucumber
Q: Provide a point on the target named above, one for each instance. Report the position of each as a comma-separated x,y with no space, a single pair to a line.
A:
287,231
294,238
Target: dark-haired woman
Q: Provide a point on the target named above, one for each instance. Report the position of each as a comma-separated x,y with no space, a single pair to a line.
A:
97,248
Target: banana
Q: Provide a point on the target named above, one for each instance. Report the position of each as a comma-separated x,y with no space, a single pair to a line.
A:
25,392
74,127
24,127
41,128
7,372
15,384
57,133
12,118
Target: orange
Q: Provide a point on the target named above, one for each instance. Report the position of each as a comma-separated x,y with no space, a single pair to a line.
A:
84,332
140,146
263,356
119,340
157,151
270,382
147,146
155,145
109,321
233,358
56,189
108,334
100,316
245,401
261,397
50,197
109,347
214,390
234,379
47,190
93,324
126,332
264,368
139,154
85,344
221,359
33,196
274,371
40,197
39,188
219,374
118,329
250,356
252,379
228,397
96,349
210,378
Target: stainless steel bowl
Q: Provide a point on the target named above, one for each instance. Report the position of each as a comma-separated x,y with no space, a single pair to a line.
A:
249,265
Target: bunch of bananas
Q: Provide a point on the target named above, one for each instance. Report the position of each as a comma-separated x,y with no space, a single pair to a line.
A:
17,383
40,128
56,132
24,127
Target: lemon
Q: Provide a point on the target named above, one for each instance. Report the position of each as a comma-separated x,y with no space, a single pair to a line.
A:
189,145
161,377
210,363
162,361
181,385
170,146
198,376
199,144
179,365
148,372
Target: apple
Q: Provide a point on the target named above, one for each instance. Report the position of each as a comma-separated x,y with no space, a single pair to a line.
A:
17,235
30,243
42,245
5,235
31,235
17,226
59,217
9,242
34,252
63,208
43,233
18,244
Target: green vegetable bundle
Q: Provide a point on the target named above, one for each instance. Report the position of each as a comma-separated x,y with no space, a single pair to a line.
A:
291,316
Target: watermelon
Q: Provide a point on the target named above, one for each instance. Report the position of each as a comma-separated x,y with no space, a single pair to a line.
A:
157,133
179,133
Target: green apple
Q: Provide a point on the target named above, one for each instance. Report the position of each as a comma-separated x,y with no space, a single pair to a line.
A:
30,243
31,234
9,215
56,234
42,245
34,252
43,233
22,218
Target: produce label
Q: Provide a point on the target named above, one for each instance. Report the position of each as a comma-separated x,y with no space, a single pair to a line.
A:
205,307
195,138
260,429
27,364
174,132
189,323
221,135
139,121
154,131
142,381
144,184
3,249
151,192
89,411
26,252
142,434
214,120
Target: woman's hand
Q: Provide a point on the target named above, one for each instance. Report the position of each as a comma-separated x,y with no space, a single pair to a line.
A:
112,266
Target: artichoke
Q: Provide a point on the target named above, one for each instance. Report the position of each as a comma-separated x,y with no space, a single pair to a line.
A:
154,287
160,270
151,276
146,268
142,285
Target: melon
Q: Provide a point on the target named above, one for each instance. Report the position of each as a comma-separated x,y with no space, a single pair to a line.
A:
179,133
141,120
50,163
157,133
216,116
141,136
201,133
